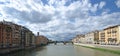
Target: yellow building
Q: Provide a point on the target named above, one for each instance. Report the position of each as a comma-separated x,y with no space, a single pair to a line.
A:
110,35
102,37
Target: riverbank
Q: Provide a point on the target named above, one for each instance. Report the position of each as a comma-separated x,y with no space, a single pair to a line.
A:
107,48
10,50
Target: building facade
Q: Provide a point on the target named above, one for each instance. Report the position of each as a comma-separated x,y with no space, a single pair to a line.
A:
112,34
5,35
108,36
96,37
102,39
41,40
13,35
92,37
79,39
16,35
1,34
75,39
89,38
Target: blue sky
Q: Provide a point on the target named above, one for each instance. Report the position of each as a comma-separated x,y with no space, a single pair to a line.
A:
61,19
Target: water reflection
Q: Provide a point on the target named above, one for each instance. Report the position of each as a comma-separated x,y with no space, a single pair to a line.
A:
61,50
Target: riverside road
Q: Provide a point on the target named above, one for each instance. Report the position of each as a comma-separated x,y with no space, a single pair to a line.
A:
61,50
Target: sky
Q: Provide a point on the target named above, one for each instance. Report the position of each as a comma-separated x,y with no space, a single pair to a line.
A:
61,19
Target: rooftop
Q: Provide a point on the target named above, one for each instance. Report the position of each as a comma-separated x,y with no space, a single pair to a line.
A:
112,27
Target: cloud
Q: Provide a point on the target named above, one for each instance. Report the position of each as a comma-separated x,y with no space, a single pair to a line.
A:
102,4
32,17
118,3
59,19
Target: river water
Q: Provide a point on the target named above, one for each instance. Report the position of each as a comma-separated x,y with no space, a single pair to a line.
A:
61,50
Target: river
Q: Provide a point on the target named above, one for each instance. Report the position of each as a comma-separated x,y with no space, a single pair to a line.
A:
61,50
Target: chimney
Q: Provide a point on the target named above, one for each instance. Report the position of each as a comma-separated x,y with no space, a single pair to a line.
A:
37,33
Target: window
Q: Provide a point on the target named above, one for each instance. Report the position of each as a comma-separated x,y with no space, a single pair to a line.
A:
8,29
8,34
114,31
7,37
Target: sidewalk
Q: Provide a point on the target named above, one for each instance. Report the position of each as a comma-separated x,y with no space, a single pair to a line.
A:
90,45
111,47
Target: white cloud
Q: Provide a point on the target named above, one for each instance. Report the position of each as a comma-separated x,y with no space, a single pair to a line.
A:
94,8
118,3
102,4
